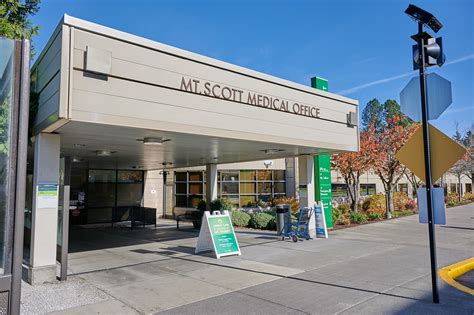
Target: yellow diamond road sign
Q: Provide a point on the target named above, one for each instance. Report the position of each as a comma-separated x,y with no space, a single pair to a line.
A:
444,152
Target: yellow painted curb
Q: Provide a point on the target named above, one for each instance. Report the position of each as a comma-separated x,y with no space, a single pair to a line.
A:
450,273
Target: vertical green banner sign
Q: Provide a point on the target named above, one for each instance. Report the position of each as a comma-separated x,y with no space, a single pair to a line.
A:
322,168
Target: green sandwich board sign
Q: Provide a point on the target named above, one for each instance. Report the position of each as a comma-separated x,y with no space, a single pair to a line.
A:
217,234
322,168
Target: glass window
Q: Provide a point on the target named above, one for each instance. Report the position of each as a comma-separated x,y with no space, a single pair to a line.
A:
339,190
279,188
403,188
245,200
181,201
195,177
101,195
247,188
180,188
248,175
195,188
6,70
278,175
129,195
230,176
181,176
264,175
230,188
367,189
453,187
130,177
468,187
102,176
264,188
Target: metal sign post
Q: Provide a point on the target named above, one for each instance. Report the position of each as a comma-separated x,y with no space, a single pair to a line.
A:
426,153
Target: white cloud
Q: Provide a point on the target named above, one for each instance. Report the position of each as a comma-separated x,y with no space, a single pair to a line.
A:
400,76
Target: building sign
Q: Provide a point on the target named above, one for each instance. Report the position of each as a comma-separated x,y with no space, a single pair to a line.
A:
217,234
321,227
46,196
224,92
322,177
322,168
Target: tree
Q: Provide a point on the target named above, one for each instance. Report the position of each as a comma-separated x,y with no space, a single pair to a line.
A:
372,115
414,181
463,167
378,114
386,166
352,165
14,18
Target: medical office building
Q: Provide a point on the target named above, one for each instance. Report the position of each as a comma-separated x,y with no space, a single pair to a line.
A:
117,113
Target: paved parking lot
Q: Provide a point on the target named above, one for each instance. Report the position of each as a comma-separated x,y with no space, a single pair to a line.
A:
371,269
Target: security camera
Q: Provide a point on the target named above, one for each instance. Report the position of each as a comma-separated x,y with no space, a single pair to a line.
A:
268,163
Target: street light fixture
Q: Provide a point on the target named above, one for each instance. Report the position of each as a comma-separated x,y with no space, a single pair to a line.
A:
424,17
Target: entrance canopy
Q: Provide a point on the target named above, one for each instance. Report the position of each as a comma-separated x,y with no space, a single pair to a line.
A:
147,105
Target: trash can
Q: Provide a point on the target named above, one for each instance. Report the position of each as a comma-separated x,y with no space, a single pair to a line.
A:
283,218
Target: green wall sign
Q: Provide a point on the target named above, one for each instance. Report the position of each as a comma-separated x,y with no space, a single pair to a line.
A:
322,169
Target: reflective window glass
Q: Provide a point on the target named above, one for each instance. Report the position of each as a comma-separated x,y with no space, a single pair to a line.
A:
181,176
247,188
264,175
279,188
130,177
195,176
248,175
230,188
180,188
102,176
230,176
195,188
279,175
264,188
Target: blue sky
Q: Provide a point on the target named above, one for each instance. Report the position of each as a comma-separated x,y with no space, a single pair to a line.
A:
362,47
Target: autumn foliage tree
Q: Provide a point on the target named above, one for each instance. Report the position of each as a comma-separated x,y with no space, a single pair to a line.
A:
352,165
387,142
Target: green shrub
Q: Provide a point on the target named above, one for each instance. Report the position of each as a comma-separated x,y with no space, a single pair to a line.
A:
240,218
357,217
221,204
374,216
272,224
344,207
469,196
260,220
376,201
202,205
337,215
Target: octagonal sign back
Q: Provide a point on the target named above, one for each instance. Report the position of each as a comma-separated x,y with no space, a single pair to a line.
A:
439,96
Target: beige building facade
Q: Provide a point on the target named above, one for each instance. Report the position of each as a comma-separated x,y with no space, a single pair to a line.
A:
129,129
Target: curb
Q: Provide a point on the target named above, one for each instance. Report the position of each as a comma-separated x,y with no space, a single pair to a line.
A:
450,273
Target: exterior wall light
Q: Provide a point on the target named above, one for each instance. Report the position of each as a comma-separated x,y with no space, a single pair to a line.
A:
104,152
153,141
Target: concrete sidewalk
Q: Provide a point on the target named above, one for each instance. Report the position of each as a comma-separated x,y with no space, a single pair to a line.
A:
370,269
